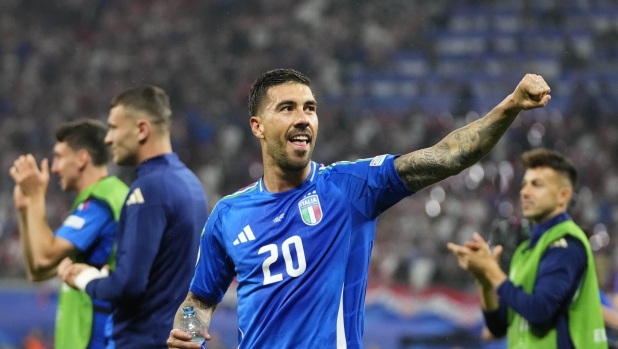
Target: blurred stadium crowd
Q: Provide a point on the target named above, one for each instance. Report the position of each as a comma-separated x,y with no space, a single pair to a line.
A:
391,76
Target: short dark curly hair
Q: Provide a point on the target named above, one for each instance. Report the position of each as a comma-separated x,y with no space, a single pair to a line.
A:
267,80
549,158
88,135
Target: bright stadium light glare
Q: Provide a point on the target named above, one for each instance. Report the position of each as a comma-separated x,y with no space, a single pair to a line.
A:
491,170
476,173
432,207
599,227
595,242
438,194
536,133
506,170
600,237
471,184
604,238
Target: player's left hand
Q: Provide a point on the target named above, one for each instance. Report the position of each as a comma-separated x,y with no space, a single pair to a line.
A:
32,181
476,256
532,92
71,272
64,268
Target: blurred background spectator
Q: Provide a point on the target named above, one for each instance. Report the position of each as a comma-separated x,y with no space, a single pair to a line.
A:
390,76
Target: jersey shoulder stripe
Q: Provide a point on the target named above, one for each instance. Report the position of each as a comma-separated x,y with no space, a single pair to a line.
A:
245,190
219,210
227,201
340,163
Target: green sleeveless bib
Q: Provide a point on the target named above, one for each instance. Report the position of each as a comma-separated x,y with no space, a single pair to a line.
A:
74,315
586,326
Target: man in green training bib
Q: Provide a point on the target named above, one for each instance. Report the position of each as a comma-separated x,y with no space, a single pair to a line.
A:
550,299
87,235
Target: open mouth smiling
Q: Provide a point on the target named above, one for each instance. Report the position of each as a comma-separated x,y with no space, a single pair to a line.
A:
300,141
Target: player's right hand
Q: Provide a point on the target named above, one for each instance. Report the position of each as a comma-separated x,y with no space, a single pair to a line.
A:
182,340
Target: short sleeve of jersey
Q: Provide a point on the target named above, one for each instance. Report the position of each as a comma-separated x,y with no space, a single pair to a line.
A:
372,185
84,225
605,300
215,270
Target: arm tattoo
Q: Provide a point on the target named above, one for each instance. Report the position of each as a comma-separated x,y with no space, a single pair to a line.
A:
204,309
459,150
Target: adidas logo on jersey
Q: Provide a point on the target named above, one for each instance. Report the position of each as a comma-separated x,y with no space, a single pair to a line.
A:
559,243
135,197
245,235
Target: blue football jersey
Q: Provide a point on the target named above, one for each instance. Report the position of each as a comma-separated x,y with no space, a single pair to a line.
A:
301,257
90,228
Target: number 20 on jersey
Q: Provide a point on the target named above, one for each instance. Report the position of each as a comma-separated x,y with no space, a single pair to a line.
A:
273,249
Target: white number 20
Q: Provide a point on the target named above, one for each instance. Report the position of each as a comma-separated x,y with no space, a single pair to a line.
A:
287,256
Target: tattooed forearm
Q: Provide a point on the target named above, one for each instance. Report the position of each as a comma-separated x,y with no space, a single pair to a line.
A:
420,168
204,309
459,150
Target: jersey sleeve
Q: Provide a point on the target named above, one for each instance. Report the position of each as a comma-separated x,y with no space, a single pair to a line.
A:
605,301
497,320
145,221
372,185
215,270
85,224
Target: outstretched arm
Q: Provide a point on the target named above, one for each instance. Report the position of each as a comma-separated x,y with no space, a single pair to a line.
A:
465,146
34,273
42,250
204,311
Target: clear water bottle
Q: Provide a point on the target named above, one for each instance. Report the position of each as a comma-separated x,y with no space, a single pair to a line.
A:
192,325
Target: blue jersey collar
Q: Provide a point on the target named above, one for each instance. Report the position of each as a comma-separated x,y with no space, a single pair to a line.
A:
160,160
538,230
312,172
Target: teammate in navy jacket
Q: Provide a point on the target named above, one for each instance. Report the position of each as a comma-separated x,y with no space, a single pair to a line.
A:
299,240
550,297
159,227
557,283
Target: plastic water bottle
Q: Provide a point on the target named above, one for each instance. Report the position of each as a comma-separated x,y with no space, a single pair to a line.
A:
192,325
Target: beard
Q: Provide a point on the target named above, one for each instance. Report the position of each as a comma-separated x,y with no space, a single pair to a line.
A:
539,215
125,159
284,161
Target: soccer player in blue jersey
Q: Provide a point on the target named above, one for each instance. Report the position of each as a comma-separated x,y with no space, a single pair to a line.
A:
159,227
299,240
80,160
